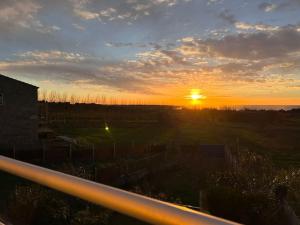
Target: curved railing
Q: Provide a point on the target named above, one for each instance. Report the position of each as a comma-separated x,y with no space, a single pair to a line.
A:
134,205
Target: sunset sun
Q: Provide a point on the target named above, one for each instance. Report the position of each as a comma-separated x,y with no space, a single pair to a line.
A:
196,97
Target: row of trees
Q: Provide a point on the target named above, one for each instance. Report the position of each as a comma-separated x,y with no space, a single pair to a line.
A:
53,96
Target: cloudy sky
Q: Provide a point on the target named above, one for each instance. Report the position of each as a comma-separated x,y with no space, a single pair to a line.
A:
156,51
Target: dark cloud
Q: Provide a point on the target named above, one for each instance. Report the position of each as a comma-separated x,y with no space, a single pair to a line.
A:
257,45
227,16
71,67
122,44
21,29
110,10
249,56
22,15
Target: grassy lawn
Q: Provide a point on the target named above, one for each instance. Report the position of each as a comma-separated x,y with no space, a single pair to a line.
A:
99,136
280,142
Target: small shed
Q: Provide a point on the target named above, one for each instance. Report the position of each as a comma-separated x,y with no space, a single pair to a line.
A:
18,114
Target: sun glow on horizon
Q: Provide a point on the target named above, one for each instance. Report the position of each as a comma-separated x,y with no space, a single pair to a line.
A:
196,97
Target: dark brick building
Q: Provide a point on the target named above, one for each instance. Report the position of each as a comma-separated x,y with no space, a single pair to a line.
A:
18,114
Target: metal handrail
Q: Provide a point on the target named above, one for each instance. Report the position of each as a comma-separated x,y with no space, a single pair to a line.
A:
143,208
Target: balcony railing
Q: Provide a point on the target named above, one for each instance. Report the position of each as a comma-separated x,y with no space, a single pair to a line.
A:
140,207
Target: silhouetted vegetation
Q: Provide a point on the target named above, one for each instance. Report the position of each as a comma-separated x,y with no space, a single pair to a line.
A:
263,145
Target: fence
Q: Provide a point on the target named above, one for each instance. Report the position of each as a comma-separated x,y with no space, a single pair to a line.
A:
137,206
79,153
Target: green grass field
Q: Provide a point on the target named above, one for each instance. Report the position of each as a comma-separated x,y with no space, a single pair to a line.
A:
279,141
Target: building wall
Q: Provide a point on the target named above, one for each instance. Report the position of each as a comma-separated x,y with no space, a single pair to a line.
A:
18,115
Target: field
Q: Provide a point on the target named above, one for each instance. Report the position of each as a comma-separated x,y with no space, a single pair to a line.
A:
273,134
267,145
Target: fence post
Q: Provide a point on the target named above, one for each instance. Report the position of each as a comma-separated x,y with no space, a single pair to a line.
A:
95,173
201,200
44,152
132,147
14,151
70,151
93,152
114,150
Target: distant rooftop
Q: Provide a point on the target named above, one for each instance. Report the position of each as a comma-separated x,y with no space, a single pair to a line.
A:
9,78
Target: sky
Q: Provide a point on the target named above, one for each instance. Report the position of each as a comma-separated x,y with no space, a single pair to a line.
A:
232,52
